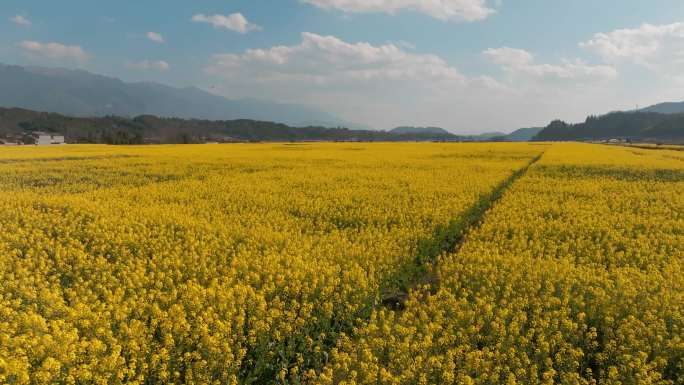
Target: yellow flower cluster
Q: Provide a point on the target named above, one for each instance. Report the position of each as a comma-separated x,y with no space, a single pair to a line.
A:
240,264
576,276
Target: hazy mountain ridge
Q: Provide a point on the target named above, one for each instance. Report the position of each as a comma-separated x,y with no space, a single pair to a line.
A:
84,94
520,135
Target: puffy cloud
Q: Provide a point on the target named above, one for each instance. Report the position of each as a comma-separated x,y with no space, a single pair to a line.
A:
21,20
518,61
156,65
447,10
234,22
379,84
155,37
55,50
387,84
659,47
325,60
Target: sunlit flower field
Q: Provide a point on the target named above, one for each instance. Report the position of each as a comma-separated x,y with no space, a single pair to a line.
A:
273,263
576,276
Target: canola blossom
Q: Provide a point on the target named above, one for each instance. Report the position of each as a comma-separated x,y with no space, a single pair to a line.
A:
575,276
245,264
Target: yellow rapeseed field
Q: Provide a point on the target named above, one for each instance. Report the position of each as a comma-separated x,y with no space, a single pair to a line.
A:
241,264
576,276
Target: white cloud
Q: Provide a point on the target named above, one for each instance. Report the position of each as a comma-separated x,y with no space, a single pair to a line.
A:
155,37
518,61
55,50
379,84
156,65
658,47
234,22
21,20
327,60
446,10
386,84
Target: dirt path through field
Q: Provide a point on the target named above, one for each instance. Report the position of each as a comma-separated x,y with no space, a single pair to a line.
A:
448,238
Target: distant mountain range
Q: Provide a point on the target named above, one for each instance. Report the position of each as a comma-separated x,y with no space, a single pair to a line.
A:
83,94
662,122
520,135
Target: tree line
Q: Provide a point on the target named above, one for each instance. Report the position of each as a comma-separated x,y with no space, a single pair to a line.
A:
16,123
641,126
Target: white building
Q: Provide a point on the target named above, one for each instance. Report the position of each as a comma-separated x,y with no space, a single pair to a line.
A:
43,138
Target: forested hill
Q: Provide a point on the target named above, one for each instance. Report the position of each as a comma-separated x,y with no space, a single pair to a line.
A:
16,124
636,126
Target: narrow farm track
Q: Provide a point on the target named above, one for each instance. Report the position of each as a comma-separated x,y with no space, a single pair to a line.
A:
419,274
447,238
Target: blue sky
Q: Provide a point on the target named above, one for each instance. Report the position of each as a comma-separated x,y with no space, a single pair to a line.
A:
467,65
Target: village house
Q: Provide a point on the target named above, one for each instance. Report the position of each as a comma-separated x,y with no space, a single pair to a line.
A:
43,138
